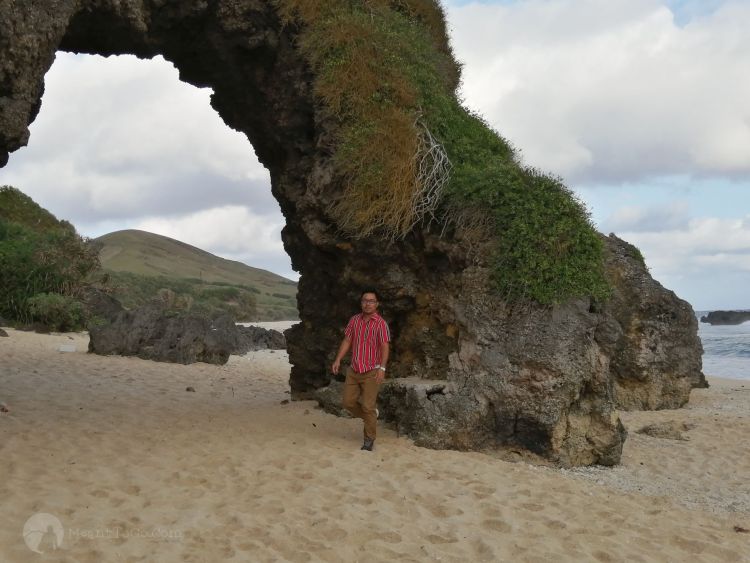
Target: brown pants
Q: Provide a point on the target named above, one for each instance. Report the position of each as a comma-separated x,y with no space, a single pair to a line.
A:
360,398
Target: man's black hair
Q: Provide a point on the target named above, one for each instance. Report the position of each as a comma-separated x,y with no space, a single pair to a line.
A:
361,295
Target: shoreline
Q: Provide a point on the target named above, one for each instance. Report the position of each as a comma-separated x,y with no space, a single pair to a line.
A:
236,472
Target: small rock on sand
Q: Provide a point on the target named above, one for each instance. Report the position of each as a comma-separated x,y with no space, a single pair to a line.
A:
669,430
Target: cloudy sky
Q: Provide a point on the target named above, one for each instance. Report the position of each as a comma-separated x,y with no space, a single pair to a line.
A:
642,106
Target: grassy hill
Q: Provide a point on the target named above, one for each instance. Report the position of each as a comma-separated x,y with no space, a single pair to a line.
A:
139,261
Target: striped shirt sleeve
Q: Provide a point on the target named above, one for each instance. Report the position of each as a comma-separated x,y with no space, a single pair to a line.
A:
384,333
348,332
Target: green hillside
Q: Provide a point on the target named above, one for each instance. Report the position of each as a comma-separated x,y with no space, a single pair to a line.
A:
45,265
148,260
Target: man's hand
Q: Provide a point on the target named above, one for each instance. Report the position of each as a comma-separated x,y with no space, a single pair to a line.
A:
379,376
343,349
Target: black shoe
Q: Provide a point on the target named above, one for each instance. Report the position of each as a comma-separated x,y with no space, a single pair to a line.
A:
368,445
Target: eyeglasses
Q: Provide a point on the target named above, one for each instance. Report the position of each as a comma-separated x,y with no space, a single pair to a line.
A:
369,301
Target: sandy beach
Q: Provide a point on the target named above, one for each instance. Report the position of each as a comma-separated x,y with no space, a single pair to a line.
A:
137,468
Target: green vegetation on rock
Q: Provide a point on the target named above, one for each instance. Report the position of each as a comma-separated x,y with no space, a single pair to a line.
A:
408,151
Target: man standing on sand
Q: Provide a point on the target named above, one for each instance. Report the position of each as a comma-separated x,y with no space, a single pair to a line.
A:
368,338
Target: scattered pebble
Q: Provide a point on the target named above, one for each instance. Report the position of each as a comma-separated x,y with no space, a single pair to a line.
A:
191,389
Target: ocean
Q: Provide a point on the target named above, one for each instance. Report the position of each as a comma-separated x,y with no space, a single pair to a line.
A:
726,349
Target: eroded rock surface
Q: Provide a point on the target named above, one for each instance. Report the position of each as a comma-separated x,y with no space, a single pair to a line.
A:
152,333
468,369
250,338
649,335
148,333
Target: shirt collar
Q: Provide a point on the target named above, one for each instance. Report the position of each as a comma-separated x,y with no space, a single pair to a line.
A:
374,316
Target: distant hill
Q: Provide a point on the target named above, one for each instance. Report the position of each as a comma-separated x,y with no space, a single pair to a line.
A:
147,254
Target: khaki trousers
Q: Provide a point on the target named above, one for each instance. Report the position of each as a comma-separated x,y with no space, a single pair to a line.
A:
360,398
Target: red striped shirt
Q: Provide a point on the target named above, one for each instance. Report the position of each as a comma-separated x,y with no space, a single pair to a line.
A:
366,337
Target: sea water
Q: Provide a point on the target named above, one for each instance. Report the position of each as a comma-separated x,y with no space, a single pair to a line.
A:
726,349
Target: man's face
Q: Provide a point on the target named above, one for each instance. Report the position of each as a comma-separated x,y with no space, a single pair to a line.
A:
369,303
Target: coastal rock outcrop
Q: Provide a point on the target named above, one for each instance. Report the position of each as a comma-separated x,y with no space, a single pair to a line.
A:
726,317
648,334
148,333
250,338
469,368
152,333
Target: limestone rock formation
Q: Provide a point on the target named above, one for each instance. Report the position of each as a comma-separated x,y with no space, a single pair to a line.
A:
151,333
726,317
469,369
667,430
649,335
148,333
250,338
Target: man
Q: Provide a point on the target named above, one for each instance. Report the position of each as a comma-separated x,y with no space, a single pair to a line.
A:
368,338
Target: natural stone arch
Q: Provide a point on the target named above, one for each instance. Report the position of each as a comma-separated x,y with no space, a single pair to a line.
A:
469,369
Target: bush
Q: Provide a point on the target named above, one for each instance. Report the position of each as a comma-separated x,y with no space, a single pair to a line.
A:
57,261
58,312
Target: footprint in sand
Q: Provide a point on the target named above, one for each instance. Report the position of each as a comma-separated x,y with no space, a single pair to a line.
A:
483,551
443,511
496,525
132,489
438,540
390,537
490,511
556,524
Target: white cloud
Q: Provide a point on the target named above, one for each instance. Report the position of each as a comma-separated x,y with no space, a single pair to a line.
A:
123,137
611,91
673,216
706,241
230,228
233,232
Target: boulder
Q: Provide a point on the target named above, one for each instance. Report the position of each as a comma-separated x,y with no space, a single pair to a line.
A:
147,332
153,333
3,333
726,317
250,338
648,335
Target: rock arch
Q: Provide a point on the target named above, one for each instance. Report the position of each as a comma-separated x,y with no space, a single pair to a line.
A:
469,370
